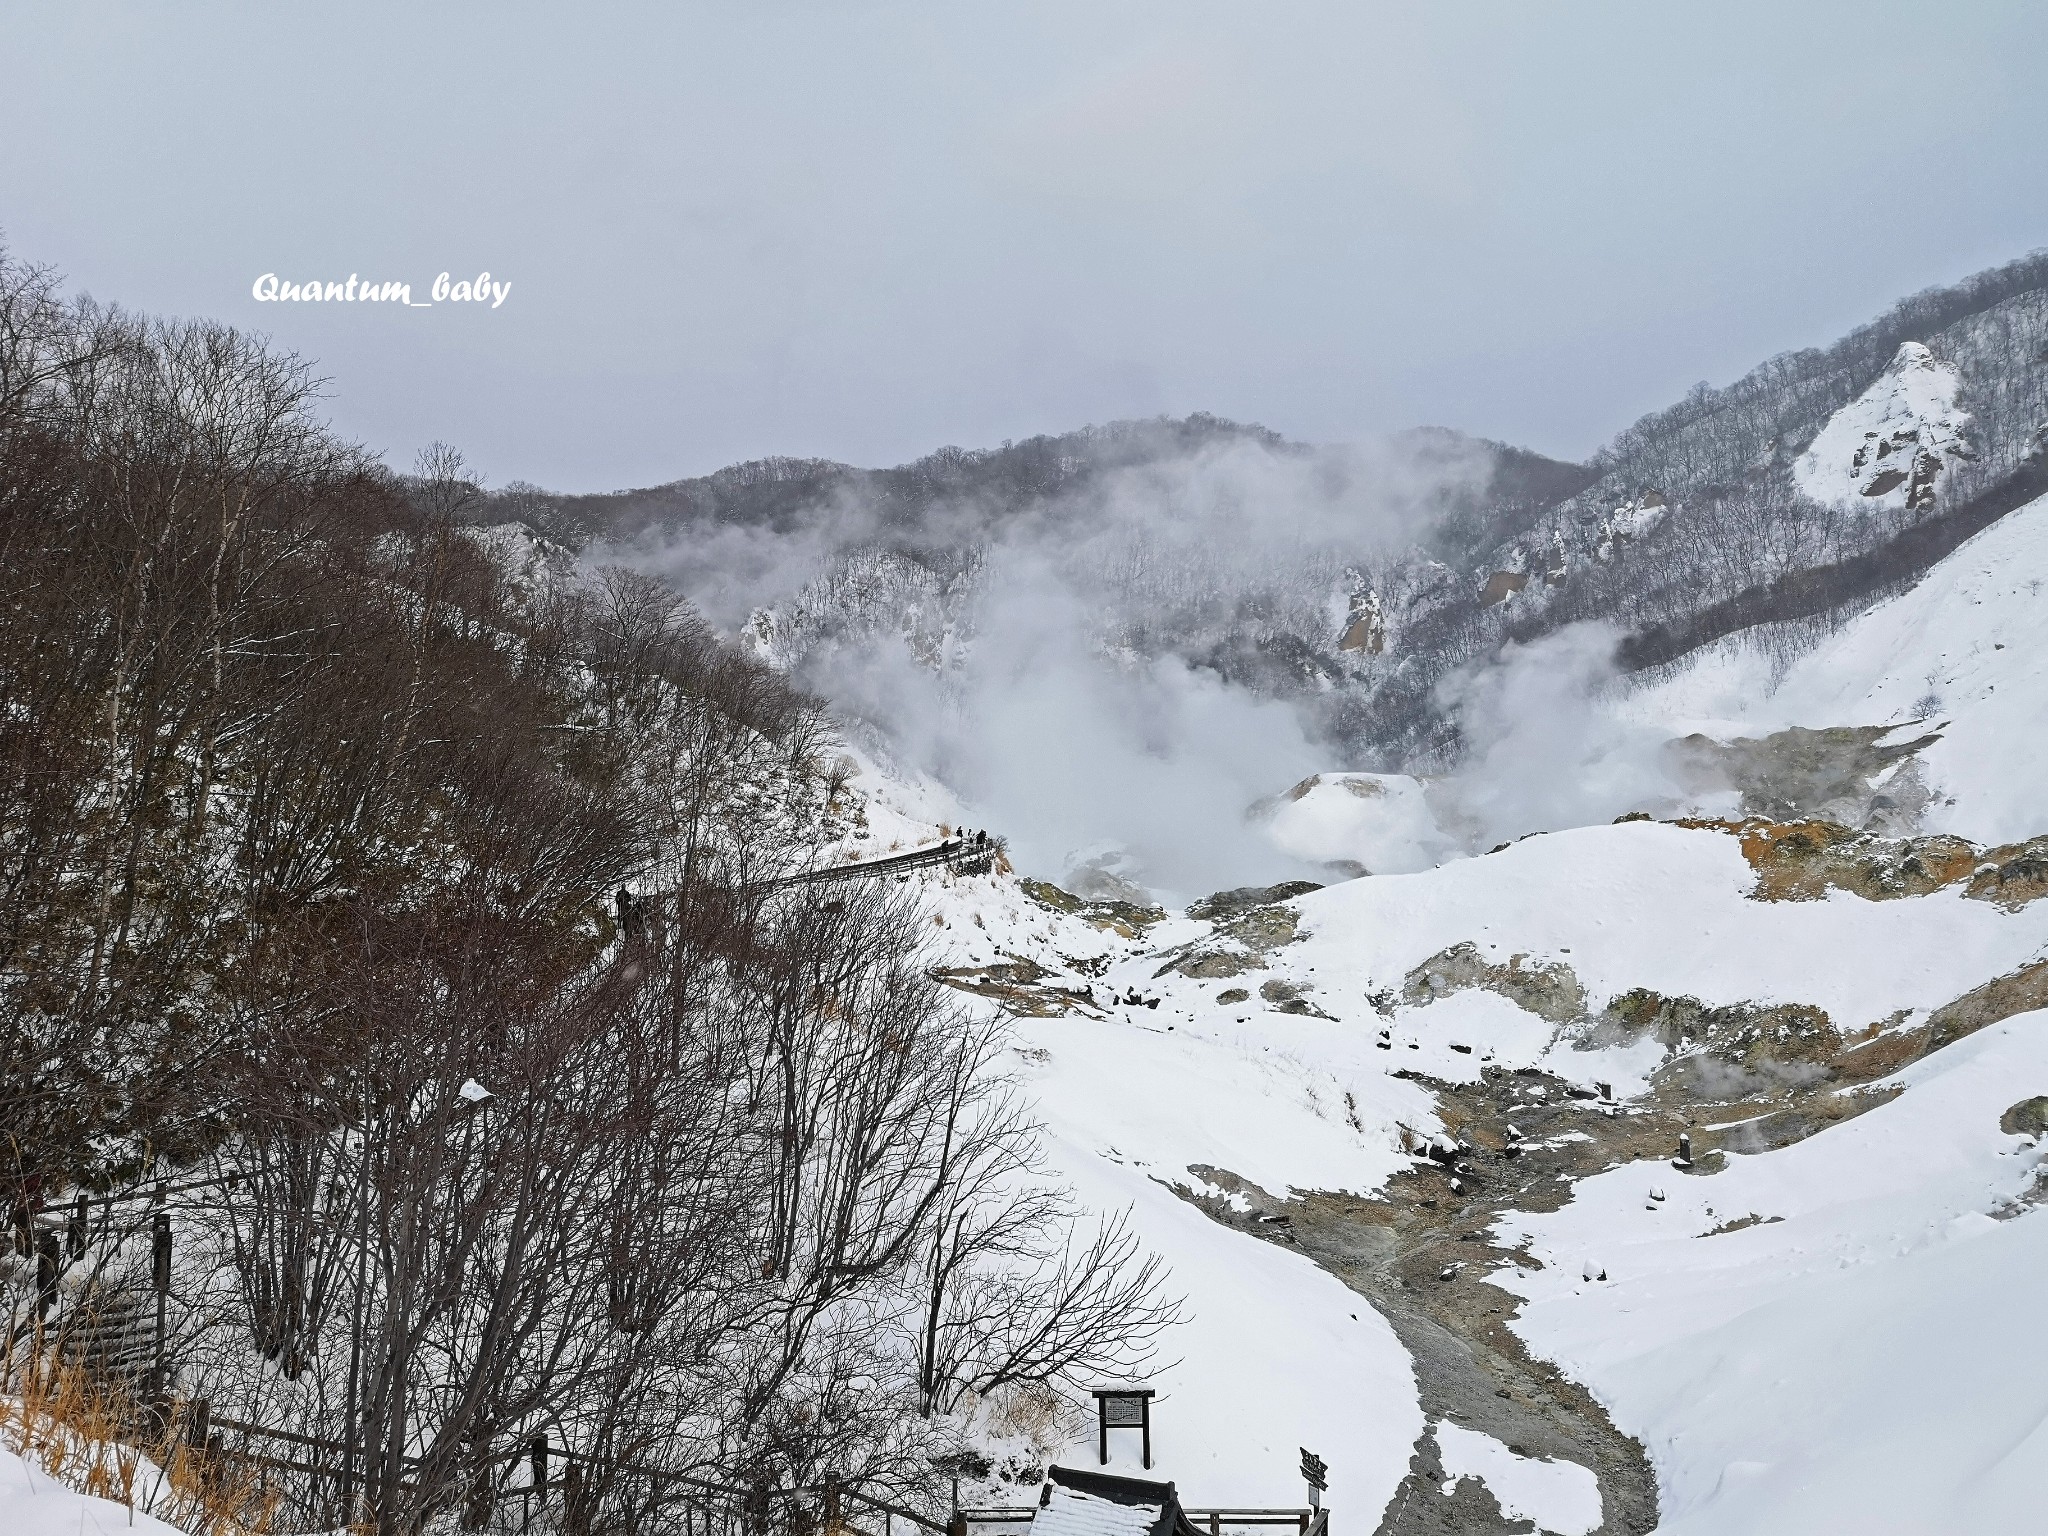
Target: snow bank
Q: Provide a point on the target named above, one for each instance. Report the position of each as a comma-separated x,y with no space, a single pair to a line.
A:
32,1503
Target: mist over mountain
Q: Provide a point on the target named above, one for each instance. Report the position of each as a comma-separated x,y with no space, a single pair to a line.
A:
1179,587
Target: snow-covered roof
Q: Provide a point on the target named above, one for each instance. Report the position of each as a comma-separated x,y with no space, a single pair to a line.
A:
1079,1503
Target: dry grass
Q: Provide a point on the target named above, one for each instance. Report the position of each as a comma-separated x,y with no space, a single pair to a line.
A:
95,1436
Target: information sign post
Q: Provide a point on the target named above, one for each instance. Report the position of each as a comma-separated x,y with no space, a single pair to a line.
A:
1123,1408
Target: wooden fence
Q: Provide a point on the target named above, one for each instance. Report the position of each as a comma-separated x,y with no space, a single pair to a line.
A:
537,1487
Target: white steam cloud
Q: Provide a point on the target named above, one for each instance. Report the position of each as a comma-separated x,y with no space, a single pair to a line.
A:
1140,768
1034,683
1544,750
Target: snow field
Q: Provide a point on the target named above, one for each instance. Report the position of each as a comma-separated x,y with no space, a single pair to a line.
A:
1272,1357
1872,1360
1644,904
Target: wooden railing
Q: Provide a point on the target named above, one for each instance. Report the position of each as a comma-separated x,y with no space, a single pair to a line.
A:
690,1505
973,857
1309,1522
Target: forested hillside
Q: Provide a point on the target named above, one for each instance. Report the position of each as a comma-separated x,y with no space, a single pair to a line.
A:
401,995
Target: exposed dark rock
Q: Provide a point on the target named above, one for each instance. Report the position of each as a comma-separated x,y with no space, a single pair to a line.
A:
1126,919
1804,860
2029,1117
1721,1053
1226,904
1286,997
1239,943
2020,991
1213,964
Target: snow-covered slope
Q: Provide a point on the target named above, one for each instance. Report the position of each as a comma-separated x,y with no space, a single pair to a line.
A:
1275,1354
1663,907
1965,650
1870,1356
1313,1068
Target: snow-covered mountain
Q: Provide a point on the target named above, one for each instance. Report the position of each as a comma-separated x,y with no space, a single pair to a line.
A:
1535,1169
1355,580
1679,1175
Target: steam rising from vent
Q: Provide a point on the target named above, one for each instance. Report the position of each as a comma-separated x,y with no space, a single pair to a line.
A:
1136,767
1113,675
1543,751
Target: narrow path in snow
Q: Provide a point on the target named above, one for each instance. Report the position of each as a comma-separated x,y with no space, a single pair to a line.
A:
1469,1367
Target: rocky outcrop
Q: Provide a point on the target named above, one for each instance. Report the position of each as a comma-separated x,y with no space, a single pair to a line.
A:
1018,986
1229,904
1250,922
1501,586
1212,963
1804,860
2019,991
1548,989
2013,875
1126,919
1287,997
1725,1052
2029,1117
1891,444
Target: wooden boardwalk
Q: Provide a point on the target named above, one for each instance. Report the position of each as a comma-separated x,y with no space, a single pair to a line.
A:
963,855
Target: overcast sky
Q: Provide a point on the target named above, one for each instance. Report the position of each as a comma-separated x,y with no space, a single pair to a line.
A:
863,230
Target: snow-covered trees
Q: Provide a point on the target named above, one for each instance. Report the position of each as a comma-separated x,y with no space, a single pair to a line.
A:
419,915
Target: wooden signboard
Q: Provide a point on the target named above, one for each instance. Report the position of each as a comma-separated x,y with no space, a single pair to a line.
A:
1123,1408
1315,1474
1124,1412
